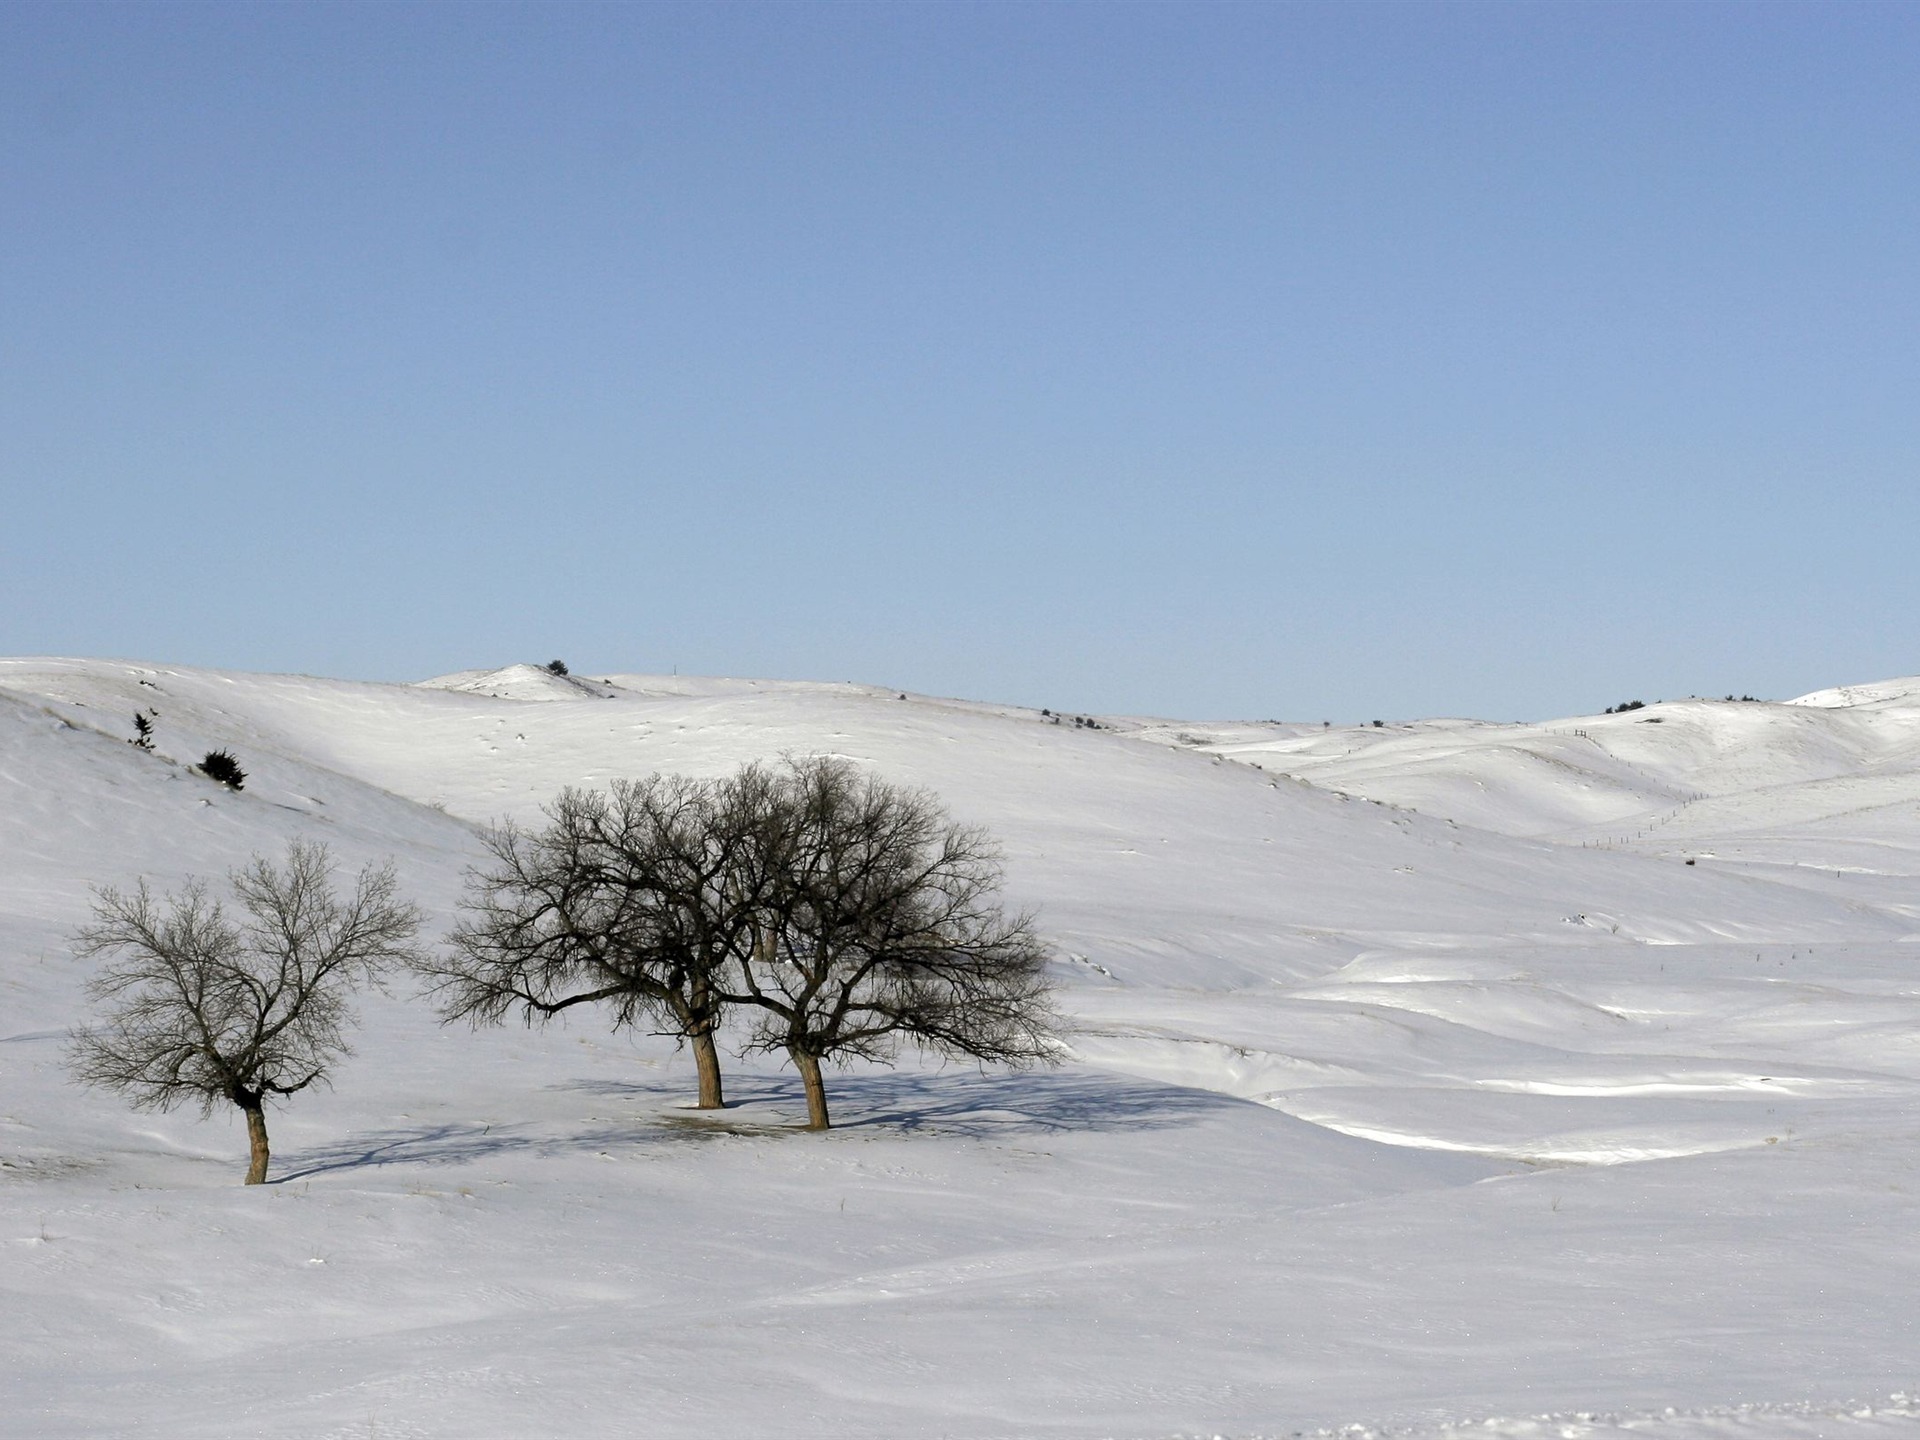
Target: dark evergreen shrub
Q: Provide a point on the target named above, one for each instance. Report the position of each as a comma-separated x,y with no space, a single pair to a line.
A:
219,765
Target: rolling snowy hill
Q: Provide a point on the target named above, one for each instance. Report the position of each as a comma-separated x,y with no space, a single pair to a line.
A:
1424,1076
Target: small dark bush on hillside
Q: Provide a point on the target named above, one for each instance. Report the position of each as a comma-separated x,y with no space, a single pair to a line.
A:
219,765
556,667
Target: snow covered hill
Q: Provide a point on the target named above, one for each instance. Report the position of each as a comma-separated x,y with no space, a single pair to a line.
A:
1668,778
1424,1074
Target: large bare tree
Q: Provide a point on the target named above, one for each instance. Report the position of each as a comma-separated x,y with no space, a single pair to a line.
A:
203,1006
637,899
883,927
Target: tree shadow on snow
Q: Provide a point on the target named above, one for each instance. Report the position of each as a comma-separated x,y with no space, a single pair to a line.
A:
962,1103
959,1104
460,1144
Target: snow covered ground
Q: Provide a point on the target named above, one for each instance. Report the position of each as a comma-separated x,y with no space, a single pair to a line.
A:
1422,1087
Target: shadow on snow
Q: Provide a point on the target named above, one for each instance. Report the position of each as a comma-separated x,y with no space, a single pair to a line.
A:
957,1104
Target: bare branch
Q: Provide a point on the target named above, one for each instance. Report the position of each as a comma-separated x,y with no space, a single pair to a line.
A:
882,926
633,898
201,1008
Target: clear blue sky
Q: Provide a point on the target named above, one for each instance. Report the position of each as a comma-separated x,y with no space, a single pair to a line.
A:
1346,361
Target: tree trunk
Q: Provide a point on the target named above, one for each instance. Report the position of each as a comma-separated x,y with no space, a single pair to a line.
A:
706,1058
257,1140
809,1068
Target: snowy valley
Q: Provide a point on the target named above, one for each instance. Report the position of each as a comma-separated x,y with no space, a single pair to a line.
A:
1440,1079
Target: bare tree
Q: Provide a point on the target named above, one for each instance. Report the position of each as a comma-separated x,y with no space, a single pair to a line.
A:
848,916
637,900
883,927
202,1006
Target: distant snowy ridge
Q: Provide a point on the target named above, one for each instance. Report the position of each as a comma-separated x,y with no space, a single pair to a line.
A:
1881,693
1666,777
517,682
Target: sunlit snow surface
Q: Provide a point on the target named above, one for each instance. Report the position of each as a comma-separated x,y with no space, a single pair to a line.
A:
1421,1088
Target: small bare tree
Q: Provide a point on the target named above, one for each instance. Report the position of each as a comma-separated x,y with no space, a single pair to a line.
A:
203,1007
636,899
883,927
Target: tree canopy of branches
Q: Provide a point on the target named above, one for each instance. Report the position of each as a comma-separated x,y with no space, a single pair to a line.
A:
203,1006
637,899
842,915
884,927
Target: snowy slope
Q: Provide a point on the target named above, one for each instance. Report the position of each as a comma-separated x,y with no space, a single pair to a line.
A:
1419,1081
1659,778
